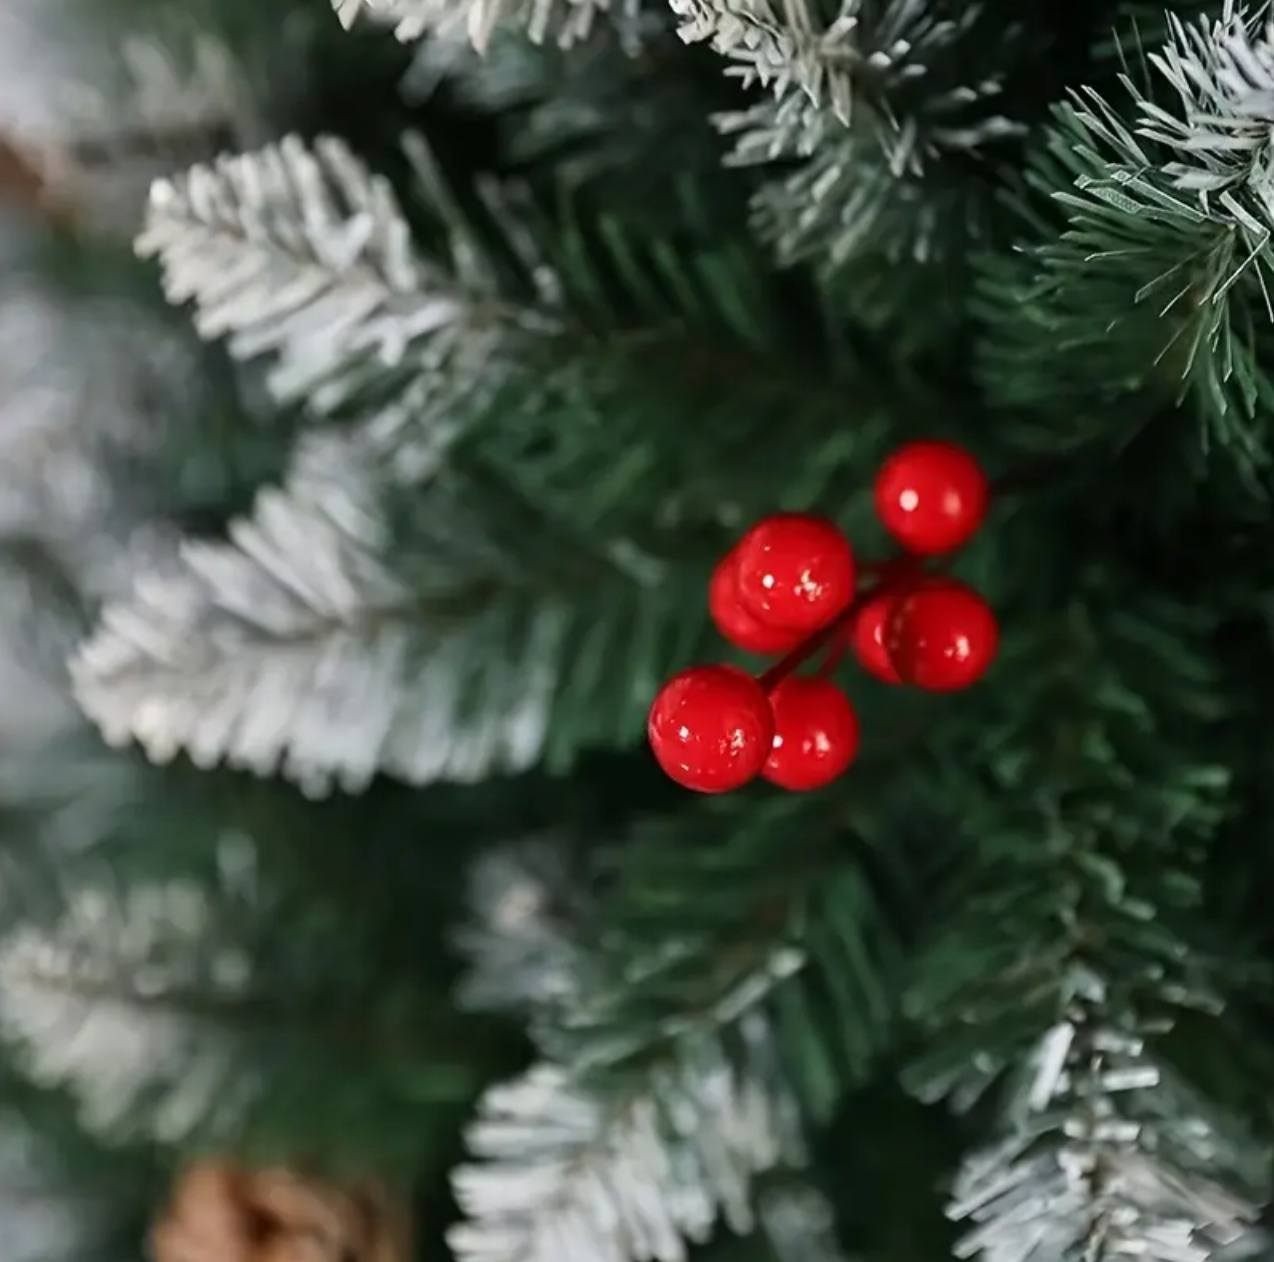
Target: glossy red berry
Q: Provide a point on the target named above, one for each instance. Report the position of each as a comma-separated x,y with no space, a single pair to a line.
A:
815,734
733,620
867,637
711,728
931,496
795,572
942,636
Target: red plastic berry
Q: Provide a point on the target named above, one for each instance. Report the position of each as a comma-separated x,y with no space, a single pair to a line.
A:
815,734
795,571
931,496
733,620
867,637
942,636
711,728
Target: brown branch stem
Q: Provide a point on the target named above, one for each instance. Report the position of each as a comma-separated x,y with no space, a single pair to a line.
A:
885,573
812,643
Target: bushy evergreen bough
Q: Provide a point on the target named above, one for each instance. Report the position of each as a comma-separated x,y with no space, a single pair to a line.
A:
1154,286
512,331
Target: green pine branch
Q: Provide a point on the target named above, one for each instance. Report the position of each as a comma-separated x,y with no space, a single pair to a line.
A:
500,563
708,986
1147,277
1075,947
157,944
875,118
598,115
64,1197
478,20
300,254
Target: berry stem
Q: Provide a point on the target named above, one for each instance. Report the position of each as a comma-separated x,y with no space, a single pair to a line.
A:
883,573
811,644
835,655
894,569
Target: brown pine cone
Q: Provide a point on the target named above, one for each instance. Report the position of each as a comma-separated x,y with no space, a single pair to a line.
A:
37,183
20,181
222,1213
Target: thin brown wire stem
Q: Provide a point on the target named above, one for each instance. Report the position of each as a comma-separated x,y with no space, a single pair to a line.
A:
885,573
809,646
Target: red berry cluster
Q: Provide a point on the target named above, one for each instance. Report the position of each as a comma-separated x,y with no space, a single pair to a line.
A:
790,586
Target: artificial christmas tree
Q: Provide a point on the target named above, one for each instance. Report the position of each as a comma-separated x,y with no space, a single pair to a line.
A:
331,839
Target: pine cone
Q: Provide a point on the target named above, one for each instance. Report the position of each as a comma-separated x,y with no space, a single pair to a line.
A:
222,1213
35,182
20,180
